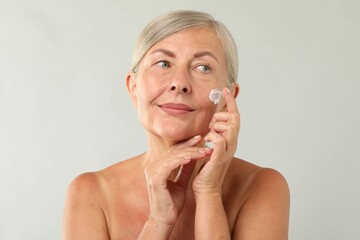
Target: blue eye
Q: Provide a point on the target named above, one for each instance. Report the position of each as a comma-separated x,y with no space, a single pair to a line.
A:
163,64
204,68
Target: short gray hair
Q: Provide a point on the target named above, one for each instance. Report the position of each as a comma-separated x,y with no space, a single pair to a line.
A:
170,23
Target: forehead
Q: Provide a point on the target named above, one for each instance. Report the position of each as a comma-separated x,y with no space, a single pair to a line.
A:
195,39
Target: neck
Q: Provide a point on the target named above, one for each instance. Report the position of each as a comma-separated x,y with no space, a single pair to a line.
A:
158,145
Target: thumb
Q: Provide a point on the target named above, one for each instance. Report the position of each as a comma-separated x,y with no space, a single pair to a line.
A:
189,142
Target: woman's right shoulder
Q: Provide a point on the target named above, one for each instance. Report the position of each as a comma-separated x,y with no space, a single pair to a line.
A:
83,186
92,181
85,181
83,202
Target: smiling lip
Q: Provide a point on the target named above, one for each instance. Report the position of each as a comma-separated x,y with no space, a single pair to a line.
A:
176,108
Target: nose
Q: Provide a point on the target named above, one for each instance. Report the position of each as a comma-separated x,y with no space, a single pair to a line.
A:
182,89
181,82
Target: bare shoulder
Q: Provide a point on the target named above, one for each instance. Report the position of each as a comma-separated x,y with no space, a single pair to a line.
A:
264,213
84,184
83,216
256,178
269,181
89,195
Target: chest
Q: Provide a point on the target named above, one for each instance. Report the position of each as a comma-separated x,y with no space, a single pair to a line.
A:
126,213
127,222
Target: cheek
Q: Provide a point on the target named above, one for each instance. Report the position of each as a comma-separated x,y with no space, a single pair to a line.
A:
208,108
149,88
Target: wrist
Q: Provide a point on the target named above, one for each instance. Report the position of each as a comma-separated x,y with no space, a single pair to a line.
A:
209,196
154,222
154,229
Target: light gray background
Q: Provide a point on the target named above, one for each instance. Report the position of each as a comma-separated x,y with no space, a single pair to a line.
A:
64,108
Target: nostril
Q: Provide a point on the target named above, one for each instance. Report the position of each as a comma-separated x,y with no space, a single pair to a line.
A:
173,88
185,90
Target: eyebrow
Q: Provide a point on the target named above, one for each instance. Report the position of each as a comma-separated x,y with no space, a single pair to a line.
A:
196,55
202,54
164,51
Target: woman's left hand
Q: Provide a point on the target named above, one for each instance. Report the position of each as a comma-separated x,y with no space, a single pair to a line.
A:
224,130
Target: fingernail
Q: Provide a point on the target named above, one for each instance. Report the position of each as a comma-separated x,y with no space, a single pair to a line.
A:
208,150
197,137
202,151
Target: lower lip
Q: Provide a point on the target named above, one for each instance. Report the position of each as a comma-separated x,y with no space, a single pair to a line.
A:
175,111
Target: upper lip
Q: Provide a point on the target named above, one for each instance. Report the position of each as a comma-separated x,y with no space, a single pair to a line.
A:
177,106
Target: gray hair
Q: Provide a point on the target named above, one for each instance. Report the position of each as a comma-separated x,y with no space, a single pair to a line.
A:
170,23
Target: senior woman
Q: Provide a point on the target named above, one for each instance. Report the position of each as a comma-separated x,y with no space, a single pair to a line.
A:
180,188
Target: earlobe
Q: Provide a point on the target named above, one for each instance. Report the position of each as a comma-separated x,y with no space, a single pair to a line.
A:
131,87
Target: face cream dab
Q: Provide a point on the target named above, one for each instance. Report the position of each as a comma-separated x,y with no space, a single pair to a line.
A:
215,96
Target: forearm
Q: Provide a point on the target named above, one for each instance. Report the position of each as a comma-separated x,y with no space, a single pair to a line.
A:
210,218
155,230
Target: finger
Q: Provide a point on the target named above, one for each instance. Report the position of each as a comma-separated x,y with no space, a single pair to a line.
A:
157,175
167,167
225,119
222,116
230,101
225,128
189,142
185,173
217,140
190,154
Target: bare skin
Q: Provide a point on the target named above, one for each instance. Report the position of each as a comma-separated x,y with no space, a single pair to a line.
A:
117,203
217,196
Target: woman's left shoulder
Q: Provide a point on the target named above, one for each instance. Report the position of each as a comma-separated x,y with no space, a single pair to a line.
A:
260,199
257,178
245,181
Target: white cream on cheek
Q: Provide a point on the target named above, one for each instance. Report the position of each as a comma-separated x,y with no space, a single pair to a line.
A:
215,95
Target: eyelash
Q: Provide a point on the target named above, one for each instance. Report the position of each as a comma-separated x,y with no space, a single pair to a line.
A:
204,66
162,64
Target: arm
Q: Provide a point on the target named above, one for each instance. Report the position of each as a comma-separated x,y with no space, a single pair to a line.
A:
83,217
265,213
210,219
166,197
155,230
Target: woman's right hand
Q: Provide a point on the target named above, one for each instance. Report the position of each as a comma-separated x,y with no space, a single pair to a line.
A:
167,197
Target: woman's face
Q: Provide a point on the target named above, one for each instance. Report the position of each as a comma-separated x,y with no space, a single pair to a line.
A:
171,87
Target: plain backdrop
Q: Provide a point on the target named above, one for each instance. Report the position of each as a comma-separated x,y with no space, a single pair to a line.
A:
64,108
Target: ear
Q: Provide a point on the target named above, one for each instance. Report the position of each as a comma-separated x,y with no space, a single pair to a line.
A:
131,87
235,90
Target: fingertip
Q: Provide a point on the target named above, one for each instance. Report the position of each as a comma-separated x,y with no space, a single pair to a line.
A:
196,137
208,150
191,141
227,90
230,100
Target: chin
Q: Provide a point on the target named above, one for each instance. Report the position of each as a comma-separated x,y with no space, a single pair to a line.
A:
174,134
175,131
